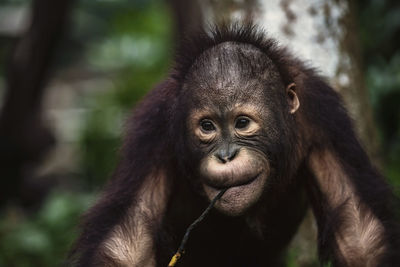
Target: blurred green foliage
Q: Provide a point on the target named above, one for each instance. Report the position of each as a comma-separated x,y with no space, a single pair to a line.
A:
379,24
128,44
41,239
138,45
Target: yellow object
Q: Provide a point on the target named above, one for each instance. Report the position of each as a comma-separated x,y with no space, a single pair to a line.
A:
174,259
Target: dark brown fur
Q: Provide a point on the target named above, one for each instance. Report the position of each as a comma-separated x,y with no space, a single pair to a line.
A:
317,160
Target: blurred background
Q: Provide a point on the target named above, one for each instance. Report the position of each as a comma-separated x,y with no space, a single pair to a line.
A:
70,72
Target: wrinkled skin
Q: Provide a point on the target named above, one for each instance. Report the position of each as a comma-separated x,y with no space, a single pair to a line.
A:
231,127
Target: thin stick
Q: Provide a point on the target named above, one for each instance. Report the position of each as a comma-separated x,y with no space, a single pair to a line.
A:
181,248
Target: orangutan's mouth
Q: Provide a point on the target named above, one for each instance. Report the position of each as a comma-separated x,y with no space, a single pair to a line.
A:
229,183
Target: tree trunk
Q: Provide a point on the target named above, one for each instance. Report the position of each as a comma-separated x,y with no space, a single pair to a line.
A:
24,139
187,15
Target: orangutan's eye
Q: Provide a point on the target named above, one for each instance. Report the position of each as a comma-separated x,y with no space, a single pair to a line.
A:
242,123
207,126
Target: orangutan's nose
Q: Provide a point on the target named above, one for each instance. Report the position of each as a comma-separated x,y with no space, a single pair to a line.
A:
227,153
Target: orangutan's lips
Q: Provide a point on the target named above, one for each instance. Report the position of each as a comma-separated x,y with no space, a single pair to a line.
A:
230,184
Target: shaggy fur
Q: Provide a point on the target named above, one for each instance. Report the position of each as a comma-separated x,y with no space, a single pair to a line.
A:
314,156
